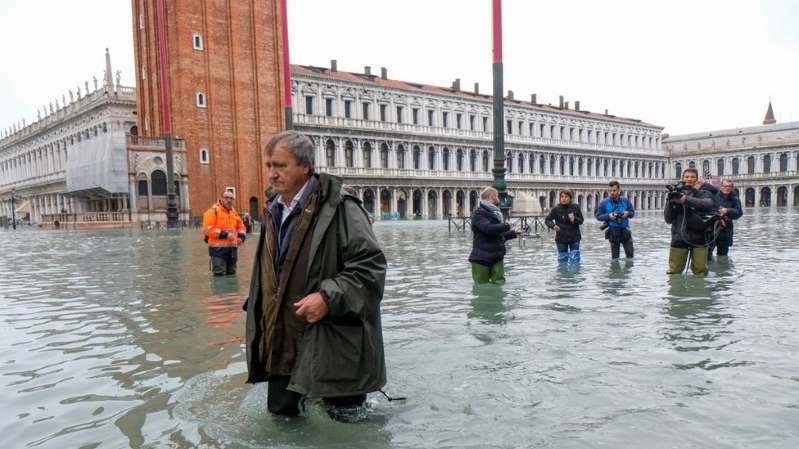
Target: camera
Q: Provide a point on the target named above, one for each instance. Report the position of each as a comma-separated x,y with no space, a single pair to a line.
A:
676,190
618,219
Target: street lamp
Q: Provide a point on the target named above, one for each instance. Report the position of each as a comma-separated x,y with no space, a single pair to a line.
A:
505,200
13,210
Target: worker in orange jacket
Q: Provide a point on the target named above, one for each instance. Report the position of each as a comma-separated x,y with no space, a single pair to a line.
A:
224,232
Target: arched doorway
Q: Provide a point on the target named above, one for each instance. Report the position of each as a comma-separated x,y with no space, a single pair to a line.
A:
255,209
385,204
460,202
446,196
749,199
431,204
473,200
369,201
417,203
580,201
765,197
782,196
402,204
553,199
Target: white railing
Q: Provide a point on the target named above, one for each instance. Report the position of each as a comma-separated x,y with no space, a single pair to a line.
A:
87,217
762,176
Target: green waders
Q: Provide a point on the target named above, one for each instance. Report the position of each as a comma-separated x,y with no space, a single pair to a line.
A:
679,256
483,274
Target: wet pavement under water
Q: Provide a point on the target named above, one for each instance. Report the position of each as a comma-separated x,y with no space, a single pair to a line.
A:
123,339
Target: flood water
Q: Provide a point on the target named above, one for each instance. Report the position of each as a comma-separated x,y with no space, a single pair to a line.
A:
115,339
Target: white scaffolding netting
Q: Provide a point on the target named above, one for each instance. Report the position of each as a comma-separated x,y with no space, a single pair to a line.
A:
98,164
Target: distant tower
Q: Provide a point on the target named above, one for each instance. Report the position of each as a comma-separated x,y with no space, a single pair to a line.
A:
769,120
224,65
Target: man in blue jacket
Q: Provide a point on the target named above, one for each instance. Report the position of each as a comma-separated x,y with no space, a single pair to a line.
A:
489,232
616,211
729,209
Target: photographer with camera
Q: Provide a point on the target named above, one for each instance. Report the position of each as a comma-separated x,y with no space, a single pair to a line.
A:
615,211
690,212
729,209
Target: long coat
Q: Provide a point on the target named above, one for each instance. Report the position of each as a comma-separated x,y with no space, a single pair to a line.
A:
341,355
489,234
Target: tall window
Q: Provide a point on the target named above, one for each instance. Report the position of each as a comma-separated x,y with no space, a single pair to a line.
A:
201,100
384,156
309,105
486,166
750,165
158,179
720,167
415,114
736,166
430,114
204,159
347,108
459,160
330,153
485,124
521,127
472,161
349,154
678,170
509,162
197,41
382,113
767,163
705,167
431,158
400,156
399,114
417,157
142,187
329,107
458,120
783,162
365,111
445,158
367,155
445,119
471,122
510,126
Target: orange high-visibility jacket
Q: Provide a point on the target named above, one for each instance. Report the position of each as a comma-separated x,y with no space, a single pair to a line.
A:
218,219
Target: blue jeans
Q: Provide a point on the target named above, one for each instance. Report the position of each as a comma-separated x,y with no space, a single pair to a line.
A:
568,251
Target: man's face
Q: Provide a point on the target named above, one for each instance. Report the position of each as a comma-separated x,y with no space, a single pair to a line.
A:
227,199
284,173
493,198
726,188
614,192
689,178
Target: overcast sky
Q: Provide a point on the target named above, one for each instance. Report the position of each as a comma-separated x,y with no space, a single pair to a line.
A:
685,65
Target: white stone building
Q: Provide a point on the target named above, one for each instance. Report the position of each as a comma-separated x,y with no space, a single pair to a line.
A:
78,164
414,150
762,161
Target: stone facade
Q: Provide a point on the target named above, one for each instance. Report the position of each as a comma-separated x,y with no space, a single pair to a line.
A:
225,91
412,150
762,161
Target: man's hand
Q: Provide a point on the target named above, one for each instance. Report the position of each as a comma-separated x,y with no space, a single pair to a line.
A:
232,236
312,307
518,231
683,198
625,214
723,210
571,217
556,228
613,215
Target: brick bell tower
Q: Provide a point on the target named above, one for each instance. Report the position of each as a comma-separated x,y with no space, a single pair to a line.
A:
224,65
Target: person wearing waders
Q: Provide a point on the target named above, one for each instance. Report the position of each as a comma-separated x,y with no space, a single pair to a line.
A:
565,219
489,233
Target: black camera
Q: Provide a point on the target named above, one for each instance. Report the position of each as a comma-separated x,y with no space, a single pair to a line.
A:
618,218
676,190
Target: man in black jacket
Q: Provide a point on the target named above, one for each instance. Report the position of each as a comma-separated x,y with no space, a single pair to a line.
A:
565,219
489,232
687,212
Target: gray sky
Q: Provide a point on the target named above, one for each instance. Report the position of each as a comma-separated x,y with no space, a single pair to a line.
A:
685,65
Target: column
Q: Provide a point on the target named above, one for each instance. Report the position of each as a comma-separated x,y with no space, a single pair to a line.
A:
394,200
467,207
790,188
440,203
757,195
358,156
321,157
378,210
425,208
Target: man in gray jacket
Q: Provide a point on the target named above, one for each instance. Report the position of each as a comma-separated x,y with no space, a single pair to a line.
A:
313,313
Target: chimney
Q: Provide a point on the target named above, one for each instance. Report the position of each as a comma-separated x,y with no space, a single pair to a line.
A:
576,105
456,85
566,105
333,65
533,99
510,95
606,112
476,88
367,70
561,102
384,73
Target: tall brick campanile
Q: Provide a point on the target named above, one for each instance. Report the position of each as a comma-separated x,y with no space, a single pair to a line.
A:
224,66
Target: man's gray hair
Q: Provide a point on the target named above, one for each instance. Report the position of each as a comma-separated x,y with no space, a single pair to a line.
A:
485,193
300,146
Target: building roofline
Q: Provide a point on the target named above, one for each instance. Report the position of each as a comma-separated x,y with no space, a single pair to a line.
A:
733,132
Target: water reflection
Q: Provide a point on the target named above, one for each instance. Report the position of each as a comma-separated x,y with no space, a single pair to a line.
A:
488,304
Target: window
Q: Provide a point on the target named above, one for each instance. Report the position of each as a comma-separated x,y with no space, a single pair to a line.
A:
399,114
430,114
541,130
415,114
384,156
382,113
309,105
485,124
417,157
767,163
204,155
472,161
349,159
445,119
365,111
471,122
143,72
736,166
367,155
458,118
510,127
200,100
431,158
750,165
678,170
571,134
486,165
783,162
705,168
197,41
142,187
445,158
330,153
329,107
401,157
531,129
158,183
347,108
141,21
